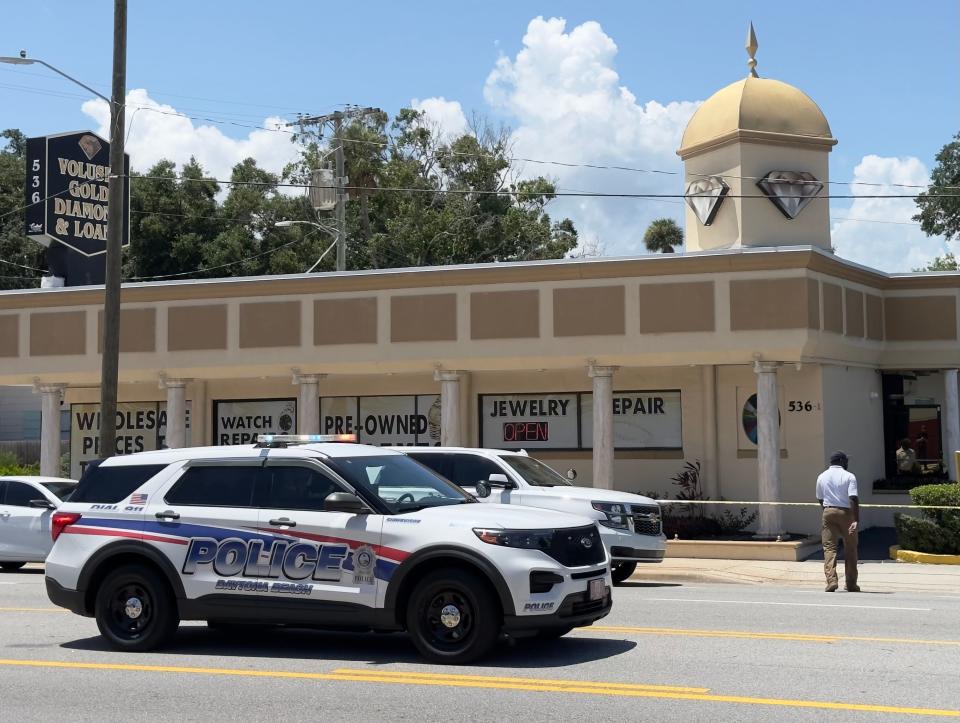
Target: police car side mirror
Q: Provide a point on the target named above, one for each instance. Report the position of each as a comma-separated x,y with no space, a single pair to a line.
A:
43,504
344,502
497,479
483,489
571,474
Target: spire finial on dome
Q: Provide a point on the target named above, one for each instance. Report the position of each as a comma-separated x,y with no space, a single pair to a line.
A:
752,51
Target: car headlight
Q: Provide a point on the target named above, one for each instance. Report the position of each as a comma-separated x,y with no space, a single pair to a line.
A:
526,539
618,515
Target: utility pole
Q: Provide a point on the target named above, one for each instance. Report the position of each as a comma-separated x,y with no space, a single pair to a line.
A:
110,361
336,121
341,196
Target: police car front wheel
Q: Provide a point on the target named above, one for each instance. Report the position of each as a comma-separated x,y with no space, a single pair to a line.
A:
135,609
453,617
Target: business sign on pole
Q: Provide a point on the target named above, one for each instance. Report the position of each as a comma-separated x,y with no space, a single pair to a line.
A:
141,427
641,420
239,421
529,421
67,197
407,420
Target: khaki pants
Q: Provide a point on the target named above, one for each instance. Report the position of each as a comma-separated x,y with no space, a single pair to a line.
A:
836,526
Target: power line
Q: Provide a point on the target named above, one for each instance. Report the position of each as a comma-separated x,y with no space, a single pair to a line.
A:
22,266
220,266
519,193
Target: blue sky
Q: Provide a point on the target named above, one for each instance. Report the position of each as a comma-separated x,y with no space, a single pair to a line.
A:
885,73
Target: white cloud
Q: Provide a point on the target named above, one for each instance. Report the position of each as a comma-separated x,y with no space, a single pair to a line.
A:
899,246
156,131
447,115
565,95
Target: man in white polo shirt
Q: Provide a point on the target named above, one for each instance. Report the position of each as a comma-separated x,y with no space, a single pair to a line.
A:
837,493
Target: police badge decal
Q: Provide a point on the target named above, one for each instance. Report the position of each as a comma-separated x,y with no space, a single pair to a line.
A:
364,560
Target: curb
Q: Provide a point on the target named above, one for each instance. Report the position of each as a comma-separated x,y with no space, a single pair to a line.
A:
926,558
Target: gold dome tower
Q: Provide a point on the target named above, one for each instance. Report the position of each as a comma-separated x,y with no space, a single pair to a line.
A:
764,143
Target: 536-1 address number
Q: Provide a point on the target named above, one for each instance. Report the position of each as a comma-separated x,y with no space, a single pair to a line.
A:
799,406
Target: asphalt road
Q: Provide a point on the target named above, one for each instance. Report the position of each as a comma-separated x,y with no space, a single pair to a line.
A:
667,652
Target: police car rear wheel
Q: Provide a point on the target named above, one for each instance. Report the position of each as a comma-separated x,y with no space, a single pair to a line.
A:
452,617
135,609
621,571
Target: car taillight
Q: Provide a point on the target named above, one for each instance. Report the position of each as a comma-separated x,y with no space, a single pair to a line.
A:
61,520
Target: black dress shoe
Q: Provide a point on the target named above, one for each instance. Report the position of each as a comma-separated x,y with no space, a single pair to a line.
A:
855,588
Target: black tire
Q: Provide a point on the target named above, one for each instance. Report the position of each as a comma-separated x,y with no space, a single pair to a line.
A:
135,609
553,633
469,605
11,566
621,571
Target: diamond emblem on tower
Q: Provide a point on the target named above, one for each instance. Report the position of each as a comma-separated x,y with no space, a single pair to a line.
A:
790,191
704,196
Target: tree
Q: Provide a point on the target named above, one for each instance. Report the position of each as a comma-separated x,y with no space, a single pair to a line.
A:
940,204
16,250
663,235
942,263
416,199
425,200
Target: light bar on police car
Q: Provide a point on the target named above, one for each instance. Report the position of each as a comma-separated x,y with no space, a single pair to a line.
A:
268,439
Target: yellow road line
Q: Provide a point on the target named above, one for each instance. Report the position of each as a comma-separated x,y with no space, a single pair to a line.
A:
34,610
746,634
476,681
412,675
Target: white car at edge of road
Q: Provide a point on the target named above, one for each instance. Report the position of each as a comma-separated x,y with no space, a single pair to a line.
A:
26,505
630,524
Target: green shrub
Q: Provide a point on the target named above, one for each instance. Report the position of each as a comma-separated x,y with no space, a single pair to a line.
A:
10,465
937,531
941,496
920,535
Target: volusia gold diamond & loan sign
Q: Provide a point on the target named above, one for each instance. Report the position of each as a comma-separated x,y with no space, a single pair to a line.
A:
67,181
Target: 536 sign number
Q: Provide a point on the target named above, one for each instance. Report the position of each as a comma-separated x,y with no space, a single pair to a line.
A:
800,406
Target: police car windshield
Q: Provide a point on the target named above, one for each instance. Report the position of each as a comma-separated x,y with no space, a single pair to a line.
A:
401,483
535,472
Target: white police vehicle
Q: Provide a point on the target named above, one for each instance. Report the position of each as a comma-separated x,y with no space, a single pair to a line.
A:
319,535
630,525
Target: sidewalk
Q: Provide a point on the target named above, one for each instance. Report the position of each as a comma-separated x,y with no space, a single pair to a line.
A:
873,575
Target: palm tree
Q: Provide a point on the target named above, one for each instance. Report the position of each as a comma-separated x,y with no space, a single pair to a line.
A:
663,235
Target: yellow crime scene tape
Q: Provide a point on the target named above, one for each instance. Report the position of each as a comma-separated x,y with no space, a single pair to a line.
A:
804,504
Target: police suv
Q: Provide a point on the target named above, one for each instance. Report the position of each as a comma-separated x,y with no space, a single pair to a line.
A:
302,531
630,525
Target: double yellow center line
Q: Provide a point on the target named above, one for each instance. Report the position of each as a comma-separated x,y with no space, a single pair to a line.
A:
546,685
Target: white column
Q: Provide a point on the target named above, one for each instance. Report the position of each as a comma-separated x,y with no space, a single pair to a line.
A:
50,396
308,403
176,412
768,449
951,421
199,414
602,425
711,463
450,416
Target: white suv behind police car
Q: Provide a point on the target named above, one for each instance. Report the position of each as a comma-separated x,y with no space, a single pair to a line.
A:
630,524
316,535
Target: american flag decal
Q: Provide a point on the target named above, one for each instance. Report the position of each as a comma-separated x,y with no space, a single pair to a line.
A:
138,499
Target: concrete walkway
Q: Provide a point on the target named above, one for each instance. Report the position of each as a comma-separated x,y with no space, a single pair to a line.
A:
873,575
